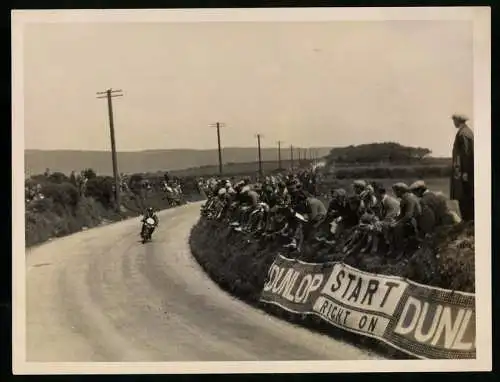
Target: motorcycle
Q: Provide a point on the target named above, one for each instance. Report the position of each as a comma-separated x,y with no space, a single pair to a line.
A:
147,229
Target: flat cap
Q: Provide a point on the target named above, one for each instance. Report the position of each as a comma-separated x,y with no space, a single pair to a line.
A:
460,117
400,186
359,183
339,192
419,184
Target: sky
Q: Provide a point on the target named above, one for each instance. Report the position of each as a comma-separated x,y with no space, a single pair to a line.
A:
308,84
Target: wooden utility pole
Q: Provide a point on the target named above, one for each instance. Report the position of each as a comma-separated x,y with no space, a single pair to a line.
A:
291,156
218,125
260,155
109,94
279,154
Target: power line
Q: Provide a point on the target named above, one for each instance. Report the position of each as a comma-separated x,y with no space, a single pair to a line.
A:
218,125
109,94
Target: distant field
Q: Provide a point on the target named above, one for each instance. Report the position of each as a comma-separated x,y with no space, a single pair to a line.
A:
375,170
434,184
235,169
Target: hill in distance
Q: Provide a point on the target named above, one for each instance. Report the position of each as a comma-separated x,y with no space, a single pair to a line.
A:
65,161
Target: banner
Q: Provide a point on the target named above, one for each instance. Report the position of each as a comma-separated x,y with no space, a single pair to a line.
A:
420,320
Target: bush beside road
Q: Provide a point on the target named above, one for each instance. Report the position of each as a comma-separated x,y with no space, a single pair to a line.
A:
57,205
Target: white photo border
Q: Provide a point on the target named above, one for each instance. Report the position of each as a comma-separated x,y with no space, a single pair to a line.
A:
481,19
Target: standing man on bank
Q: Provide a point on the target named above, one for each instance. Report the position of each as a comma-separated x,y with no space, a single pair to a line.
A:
462,178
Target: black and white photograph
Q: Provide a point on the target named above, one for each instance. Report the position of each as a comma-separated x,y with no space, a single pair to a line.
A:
251,190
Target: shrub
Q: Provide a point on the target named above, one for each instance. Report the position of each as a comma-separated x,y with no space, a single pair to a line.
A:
41,206
388,172
101,189
89,173
58,177
64,194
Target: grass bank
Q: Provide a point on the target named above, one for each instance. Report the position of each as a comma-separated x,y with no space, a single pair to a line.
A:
240,267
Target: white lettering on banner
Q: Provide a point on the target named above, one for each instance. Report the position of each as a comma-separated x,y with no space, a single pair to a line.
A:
359,290
291,285
350,318
443,331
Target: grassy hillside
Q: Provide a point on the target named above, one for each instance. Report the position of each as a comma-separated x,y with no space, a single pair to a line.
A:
65,161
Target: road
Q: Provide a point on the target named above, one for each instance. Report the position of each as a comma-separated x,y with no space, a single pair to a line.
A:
100,295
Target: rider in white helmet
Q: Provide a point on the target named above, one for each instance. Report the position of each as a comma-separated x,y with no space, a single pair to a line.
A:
149,213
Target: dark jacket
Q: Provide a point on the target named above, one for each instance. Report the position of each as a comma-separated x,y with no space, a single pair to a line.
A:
463,163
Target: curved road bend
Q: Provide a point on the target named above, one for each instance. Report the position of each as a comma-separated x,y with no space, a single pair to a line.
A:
100,295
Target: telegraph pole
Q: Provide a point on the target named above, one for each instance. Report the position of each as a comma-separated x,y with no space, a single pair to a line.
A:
291,156
279,154
260,156
218,125
108,94
299,155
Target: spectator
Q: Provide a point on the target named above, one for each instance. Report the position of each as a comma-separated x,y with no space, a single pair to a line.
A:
359,186
389,205
315,211
435,209
462,180
405,224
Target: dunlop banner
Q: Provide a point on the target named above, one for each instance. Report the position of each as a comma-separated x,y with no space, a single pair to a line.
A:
423,321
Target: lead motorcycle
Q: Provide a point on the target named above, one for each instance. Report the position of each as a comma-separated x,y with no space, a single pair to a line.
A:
148,226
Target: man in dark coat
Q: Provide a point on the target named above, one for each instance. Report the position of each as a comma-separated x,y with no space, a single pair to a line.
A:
462,178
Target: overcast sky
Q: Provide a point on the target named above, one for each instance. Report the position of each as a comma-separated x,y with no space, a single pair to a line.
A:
309,84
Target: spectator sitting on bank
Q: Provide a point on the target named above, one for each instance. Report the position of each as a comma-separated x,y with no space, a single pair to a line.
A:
369,199
435,209
405,225
389,208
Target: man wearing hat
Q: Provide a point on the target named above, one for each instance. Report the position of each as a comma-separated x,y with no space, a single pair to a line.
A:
359,186
431,214
435,209
410,210
462,178
389,208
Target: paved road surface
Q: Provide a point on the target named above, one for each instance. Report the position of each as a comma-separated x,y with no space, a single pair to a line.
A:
101,295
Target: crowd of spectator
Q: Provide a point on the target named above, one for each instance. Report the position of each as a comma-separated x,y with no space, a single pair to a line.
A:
366,217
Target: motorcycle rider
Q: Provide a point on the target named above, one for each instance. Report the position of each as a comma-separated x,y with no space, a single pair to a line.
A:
149,213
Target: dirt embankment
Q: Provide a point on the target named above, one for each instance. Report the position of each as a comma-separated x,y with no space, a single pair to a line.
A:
240,266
